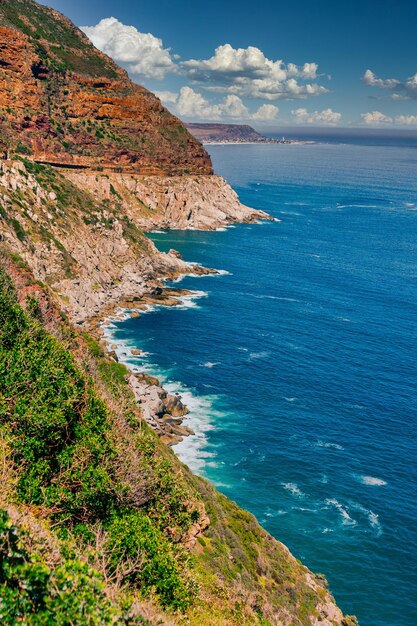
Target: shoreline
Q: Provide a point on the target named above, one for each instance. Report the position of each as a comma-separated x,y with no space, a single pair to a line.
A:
296,142
166,406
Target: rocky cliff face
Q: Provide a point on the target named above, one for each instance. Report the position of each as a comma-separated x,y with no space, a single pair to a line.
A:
90,252
64,102
186,202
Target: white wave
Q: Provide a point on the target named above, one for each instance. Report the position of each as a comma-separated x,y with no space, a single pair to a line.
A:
193,449
159,232
290,399
221,273
372,518
210,364
346,518
269,297
196,275
293,488
371,480
188,302
304,508
202,413
328,444
259,355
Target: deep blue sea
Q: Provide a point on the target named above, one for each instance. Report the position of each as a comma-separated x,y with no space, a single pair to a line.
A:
300,365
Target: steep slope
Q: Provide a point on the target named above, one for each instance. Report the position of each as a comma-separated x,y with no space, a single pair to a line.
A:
65,102
62,102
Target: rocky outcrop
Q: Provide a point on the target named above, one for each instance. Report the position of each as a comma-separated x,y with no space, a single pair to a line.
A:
161,410
186,202
89,252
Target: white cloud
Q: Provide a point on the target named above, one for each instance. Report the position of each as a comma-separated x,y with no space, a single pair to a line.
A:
376,118
327,116
247,72
142,54
242,72
266,112
409,120
167,97
192,105
401,90
370,79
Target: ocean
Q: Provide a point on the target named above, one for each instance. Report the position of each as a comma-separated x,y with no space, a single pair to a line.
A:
299,361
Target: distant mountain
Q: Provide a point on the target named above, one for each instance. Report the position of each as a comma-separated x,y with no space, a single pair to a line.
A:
227,133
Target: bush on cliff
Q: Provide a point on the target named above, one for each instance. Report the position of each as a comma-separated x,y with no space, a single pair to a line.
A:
68,458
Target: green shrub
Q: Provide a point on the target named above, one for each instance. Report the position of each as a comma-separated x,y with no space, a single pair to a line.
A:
134,540
36,593
63,446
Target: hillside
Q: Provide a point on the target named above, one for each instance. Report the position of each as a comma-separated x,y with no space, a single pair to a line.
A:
106,122
100,523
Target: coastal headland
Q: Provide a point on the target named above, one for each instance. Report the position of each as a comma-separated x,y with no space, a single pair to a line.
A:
232,134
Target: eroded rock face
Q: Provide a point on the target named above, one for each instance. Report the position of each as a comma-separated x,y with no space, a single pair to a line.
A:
161,410
185,202
94,261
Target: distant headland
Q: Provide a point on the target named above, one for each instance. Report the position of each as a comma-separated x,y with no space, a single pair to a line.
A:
230,133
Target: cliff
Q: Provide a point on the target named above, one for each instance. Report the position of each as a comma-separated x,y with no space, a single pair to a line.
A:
64,102
99,521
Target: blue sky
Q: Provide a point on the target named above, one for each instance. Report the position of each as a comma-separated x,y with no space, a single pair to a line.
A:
272,64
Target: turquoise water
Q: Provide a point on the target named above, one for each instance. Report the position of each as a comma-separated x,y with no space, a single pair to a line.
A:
300,364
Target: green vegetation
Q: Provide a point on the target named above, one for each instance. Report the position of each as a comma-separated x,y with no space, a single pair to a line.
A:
46,587
68,455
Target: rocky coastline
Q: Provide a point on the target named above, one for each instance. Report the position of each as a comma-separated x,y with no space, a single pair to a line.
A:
164,412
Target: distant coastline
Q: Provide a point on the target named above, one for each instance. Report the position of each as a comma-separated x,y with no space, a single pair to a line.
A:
220,134
268,141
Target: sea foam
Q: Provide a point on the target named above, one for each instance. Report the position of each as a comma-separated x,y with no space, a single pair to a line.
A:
371,480
293,489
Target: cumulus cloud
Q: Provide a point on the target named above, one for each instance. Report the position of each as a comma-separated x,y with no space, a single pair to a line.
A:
376,118
400,90
266,112
408,120
142,54
370,79
327,116
247,72
192,105
242,72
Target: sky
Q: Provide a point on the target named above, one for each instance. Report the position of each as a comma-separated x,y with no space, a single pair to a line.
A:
268,63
